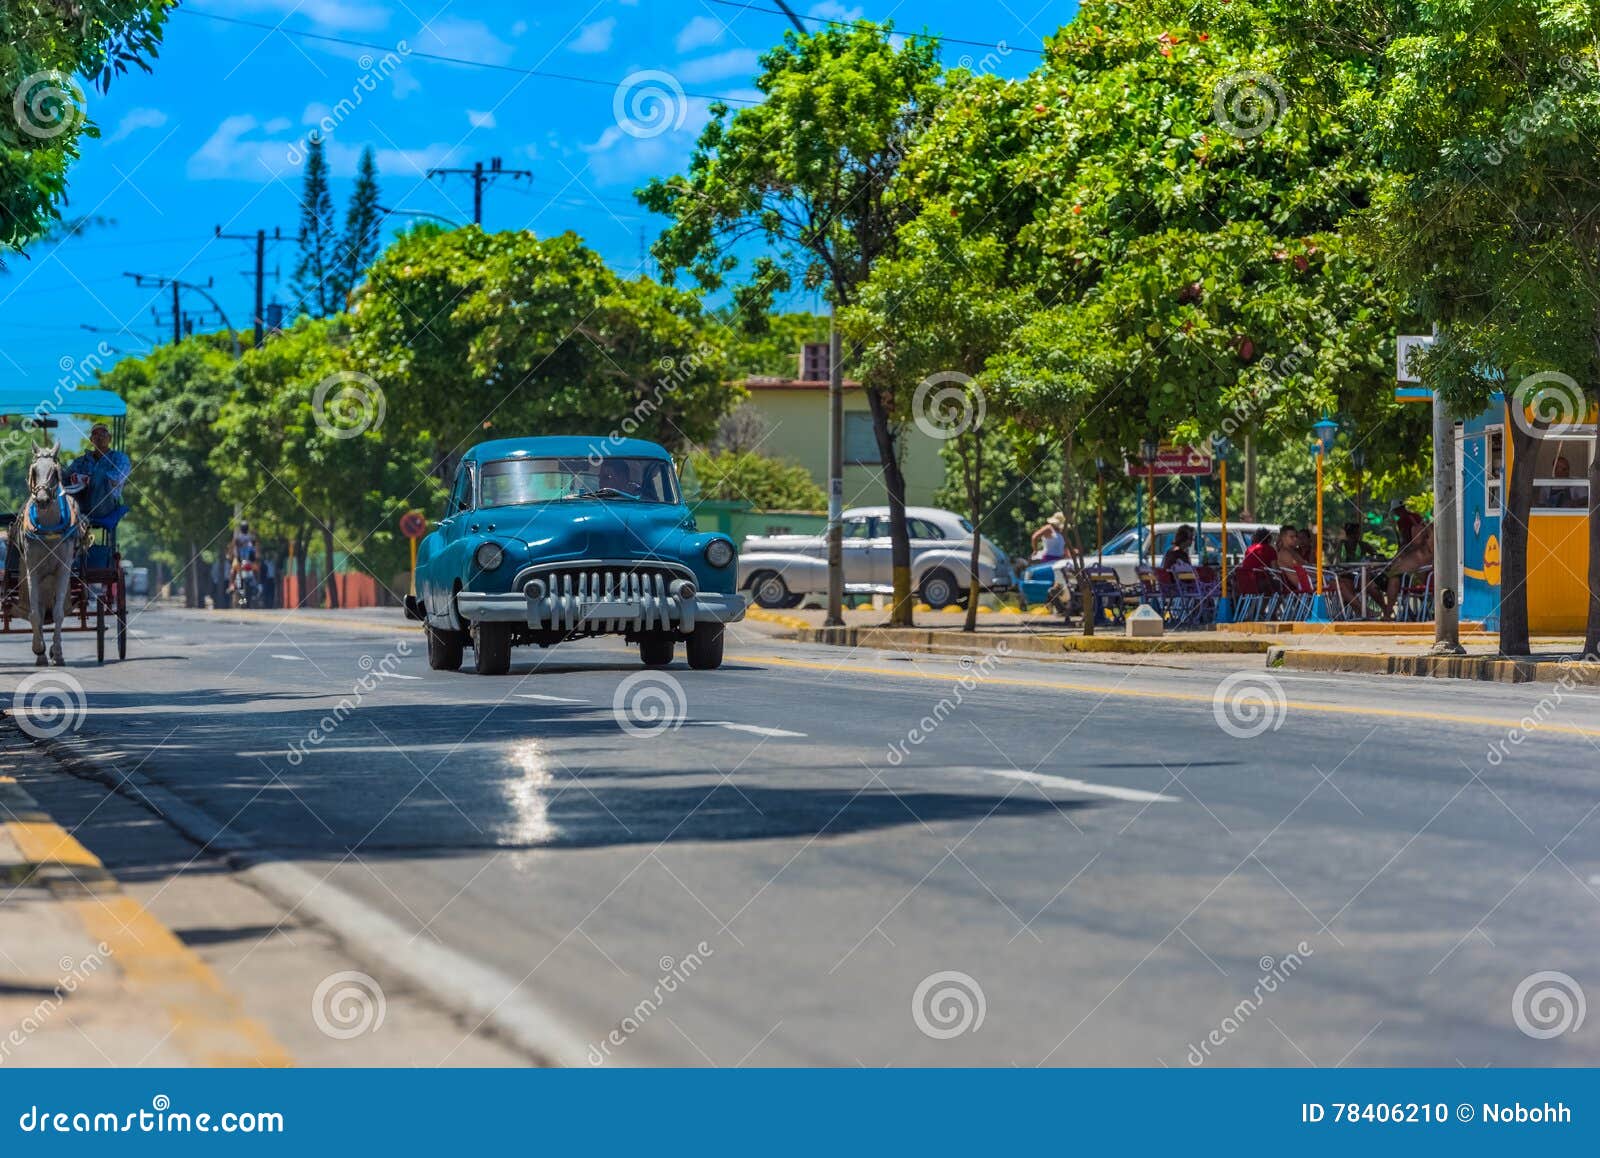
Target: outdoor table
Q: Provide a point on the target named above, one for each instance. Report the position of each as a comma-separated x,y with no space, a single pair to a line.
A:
1362,569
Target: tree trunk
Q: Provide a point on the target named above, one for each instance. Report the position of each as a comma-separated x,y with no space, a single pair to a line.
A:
975,517
1249,515
302,594
330,580
894,481
191,578
1514,542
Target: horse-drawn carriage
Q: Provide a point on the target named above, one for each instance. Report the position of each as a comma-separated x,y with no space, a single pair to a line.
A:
96,597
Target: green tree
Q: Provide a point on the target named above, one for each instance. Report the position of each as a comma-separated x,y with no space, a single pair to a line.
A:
317,271
43,118
768,484
363,223
809,170
174,394
475,334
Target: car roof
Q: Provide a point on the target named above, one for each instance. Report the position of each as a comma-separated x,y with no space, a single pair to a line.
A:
911,512
565,445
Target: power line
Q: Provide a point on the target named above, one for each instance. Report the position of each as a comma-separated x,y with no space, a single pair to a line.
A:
876,24
538,73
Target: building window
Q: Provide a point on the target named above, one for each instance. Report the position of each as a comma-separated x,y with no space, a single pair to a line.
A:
814,362
860,445
1494,470
1561,475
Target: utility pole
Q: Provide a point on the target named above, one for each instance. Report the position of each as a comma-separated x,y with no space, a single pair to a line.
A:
481,178
158,281
835,616
1446,535
260,238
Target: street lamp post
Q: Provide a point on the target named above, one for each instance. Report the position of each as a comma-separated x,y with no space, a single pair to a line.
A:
1224,605
1150,448
1326,431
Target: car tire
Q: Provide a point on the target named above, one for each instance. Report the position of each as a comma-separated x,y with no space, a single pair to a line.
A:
705,647
491,648
768,590
446,648
656,649
939,589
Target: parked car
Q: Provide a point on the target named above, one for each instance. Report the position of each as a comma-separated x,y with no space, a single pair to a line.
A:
546,540
781,570
1122,554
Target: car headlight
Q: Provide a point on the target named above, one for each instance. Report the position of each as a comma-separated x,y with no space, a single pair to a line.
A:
719,552
489,556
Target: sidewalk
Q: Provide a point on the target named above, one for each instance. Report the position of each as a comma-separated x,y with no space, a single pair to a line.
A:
1374,649
87,975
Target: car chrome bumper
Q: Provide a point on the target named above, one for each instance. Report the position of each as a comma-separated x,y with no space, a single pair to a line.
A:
602,616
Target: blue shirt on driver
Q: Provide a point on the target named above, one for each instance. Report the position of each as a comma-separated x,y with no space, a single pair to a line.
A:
106,471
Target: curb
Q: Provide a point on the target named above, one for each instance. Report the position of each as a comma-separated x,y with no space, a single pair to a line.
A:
1486,668
457,982
793,622
208,1021
1056,646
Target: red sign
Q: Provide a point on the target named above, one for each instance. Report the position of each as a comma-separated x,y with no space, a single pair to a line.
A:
413,524
1173,461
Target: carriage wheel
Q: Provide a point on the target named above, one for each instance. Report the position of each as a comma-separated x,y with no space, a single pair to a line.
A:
100,629
122,617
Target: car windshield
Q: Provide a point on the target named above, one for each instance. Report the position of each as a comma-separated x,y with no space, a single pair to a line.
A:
512,482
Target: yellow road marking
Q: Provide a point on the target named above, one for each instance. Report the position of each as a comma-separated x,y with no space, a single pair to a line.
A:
154,964
1180,697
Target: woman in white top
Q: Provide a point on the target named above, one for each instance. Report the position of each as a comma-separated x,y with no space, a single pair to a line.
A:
1048,541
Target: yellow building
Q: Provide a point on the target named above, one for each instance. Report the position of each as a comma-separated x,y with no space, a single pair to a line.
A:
791,422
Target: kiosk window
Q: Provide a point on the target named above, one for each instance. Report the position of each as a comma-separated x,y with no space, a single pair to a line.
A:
1561,474
1494,470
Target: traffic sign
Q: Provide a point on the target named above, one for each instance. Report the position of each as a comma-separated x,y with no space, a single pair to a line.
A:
413,525
1173,461
1409,389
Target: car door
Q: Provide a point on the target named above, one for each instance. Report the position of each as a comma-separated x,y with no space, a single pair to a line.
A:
446,562
858,535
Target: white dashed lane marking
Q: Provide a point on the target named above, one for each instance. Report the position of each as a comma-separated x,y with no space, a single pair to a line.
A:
1133,795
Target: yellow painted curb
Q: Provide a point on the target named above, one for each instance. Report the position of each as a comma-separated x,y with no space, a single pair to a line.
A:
208,1022
765,616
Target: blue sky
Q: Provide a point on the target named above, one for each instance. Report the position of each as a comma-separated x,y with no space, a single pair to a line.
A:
215,135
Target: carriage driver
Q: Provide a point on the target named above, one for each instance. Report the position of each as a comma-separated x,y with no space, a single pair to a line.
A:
102,471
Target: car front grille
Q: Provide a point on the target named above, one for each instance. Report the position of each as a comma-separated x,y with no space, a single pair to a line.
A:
572,589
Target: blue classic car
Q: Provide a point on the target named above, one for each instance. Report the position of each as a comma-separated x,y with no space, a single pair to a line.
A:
551,539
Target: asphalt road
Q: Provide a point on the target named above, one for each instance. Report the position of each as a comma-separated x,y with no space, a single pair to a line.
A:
817,856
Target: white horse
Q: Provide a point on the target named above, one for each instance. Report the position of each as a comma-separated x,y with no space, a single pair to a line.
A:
49,531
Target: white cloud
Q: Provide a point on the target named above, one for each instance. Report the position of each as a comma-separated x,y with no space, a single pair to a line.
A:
470,39
136,119
832,10
343,15
595,37
243,149
699,33
479,120
735,62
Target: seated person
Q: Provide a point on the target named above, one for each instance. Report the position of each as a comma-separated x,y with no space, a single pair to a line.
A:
1179,551
1290,559
1049,544
1352,547
1254,576
1415,535
1561,497
100,471
614,475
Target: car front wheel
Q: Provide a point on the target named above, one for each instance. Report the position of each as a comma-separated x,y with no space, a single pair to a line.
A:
491,648
705,647
656,649
939,589
445,648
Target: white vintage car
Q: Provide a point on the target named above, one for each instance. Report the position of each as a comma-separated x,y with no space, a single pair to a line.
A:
781,570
